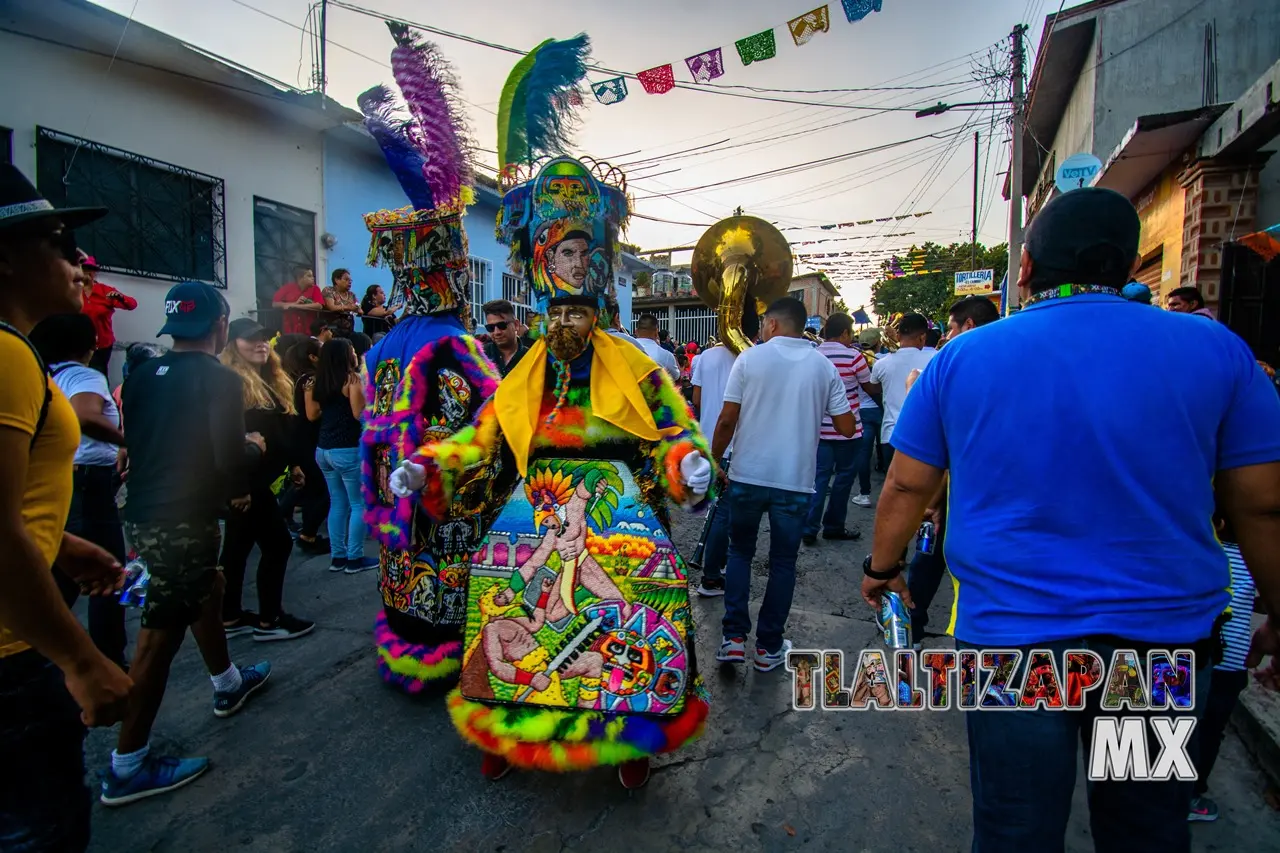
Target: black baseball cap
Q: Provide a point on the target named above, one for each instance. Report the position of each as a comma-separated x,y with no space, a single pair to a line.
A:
247,329
191,308
1086,236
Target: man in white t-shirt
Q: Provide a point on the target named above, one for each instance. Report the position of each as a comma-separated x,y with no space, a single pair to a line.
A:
647,340
774,402
710,376
890,372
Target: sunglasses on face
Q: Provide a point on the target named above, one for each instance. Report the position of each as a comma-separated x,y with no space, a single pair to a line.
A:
497,327
63,240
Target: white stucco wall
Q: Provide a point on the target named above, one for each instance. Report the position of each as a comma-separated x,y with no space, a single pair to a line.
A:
204,128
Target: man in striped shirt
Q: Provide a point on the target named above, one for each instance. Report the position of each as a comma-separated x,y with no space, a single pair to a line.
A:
838,457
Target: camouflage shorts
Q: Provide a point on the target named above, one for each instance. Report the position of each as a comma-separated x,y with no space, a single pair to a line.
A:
183,561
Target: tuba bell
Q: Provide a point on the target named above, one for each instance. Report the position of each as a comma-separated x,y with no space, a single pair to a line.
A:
741,264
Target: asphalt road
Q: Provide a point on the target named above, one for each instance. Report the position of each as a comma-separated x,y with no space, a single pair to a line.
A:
328,759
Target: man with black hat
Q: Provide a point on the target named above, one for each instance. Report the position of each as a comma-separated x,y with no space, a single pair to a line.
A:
53,680
1068,528
188,458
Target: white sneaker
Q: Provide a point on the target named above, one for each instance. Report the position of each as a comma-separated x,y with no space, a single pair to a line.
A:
862,500
766,662
732,650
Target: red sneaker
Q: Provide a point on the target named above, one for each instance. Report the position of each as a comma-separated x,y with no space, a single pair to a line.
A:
634,774
493,767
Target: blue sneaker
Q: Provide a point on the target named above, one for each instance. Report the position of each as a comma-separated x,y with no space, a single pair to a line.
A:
157,776
251,678
355,567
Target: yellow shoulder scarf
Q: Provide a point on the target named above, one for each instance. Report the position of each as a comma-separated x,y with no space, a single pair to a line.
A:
616,372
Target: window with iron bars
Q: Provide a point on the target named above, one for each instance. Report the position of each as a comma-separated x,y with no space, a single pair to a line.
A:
516,291
481,270
166,221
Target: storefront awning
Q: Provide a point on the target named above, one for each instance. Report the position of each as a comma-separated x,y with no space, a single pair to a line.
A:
1154,142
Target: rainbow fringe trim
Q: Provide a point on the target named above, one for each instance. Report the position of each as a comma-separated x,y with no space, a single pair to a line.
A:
561,741
411,667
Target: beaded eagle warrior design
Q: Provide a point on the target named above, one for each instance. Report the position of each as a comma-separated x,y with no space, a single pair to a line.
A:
579,641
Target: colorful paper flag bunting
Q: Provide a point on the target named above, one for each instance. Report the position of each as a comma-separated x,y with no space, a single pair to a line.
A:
706,67
610,91
658,81
757,48
856,10
809,25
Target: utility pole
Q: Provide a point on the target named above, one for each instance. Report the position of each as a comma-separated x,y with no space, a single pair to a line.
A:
973,235
1015,166
324,66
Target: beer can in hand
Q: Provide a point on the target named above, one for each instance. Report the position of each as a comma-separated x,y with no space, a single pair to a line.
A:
925,537
137,579
894,620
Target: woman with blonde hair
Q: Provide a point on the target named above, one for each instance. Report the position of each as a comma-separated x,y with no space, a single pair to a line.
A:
269,409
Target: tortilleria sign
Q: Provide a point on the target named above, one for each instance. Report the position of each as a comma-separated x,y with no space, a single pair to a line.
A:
976,283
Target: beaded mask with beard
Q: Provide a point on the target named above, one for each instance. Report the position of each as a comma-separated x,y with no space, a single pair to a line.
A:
565,342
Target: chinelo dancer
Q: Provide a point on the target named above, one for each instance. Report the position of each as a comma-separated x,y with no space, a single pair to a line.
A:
579,646
427,377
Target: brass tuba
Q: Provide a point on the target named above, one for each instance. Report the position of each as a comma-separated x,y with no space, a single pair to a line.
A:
742,263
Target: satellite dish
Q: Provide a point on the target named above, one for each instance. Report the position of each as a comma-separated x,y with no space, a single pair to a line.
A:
1077,172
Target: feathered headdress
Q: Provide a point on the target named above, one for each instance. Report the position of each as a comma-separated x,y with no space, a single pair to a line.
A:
425,141
424,138
535,117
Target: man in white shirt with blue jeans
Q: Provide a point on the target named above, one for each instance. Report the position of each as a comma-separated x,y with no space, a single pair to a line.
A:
774,402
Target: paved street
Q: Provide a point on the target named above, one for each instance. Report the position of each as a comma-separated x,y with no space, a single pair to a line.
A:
327,759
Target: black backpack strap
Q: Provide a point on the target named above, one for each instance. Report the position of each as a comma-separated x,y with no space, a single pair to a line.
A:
48,392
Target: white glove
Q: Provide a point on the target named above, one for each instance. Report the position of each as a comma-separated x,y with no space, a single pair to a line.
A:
407,479
695,470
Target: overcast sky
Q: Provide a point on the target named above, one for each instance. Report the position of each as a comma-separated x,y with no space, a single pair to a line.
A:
908,43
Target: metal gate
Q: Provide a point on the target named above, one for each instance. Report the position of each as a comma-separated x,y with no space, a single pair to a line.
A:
691,324
284,239
1249,301
481,270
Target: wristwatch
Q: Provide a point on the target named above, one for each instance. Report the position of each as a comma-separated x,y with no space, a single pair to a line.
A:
886,575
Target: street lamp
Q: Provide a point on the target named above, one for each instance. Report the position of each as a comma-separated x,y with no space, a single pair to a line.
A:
940,108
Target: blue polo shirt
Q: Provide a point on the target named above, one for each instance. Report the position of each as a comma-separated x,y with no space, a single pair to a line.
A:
1082,435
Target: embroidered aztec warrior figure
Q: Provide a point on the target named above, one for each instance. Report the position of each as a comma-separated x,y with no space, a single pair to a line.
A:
427,378
579,640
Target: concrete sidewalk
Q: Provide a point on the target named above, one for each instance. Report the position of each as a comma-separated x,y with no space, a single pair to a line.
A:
1257,721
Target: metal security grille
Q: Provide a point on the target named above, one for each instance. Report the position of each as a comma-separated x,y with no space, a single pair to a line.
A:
481,270
284,241
166,222
691,324
6,145
515,291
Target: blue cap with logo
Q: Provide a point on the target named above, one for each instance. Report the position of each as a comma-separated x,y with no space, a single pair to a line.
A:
191,308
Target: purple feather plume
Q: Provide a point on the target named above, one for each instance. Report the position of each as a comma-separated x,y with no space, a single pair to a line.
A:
428,86
393,135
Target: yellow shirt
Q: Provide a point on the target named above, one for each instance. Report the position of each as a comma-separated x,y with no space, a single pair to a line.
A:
46,497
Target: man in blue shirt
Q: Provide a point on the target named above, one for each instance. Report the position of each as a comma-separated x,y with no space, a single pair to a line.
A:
1080,507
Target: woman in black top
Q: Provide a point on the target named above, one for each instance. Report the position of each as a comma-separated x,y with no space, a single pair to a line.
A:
374,309
268,399
336,400
312,496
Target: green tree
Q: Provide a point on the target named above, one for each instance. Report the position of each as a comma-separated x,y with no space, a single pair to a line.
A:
933,292
839,307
